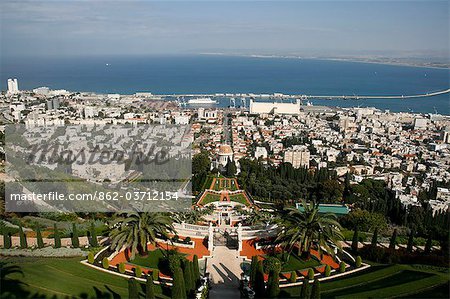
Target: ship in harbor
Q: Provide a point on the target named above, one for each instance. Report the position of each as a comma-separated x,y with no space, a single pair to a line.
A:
201,101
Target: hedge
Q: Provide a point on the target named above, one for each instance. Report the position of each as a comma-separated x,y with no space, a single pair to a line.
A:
341,267
138,271
358,262
327,270
121,268
293,277
155,274
90,258
310,274
105,263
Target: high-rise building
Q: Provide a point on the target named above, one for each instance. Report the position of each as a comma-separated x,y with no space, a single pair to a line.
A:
298,156
13,86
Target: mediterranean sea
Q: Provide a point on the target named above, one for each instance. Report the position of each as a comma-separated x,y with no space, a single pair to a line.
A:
233,74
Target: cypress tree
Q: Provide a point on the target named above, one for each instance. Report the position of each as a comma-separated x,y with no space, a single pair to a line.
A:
178,288
7,239
315,293
273,285
355,240
375,237
133,292
40,242
196,270
253,269
304,291
93,241
428,245
409,247
191,274
75,240
56,236
259,280
393,240
23,238
149,288
187,277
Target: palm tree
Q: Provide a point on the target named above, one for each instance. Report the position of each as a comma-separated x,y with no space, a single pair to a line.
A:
304,228
134,230
10,285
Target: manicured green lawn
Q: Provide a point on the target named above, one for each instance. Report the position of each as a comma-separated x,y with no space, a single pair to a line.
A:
240,198
152,260
67,277
295,263
210,198
381,282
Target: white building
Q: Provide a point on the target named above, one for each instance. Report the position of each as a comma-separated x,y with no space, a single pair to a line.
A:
298,156
275,108
260,151
225,154
420,123
13,86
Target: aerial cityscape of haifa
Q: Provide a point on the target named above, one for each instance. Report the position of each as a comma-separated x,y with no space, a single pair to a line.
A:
224,149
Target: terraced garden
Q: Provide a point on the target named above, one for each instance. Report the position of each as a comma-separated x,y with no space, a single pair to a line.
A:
63,277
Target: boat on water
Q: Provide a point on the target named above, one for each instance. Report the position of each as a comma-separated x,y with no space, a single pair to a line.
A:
202,101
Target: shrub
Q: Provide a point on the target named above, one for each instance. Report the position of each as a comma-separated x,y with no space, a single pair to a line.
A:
375,237
259,286
40,242
105,263
273,284
355,240
133,292
149,288
121,268
393,240
90,258
310,274
75,240
155,274
187,275
174,261
327,270
305,289
23,238
271,264
175,238
187,240
7,240
315,293
253,269
56,236
93,240
138,271
358,262
178,287
293,277
341,267
196,269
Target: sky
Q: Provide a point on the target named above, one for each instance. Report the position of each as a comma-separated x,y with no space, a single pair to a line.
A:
68,28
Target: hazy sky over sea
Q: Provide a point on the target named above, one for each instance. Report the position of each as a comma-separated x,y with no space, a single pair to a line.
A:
41,28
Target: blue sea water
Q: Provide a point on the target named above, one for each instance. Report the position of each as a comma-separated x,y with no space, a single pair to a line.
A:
231,74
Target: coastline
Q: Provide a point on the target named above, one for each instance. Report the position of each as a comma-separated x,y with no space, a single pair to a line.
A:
355,60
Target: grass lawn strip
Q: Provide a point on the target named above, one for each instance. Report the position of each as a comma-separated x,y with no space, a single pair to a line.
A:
67,276
384,282
360,279
402,289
